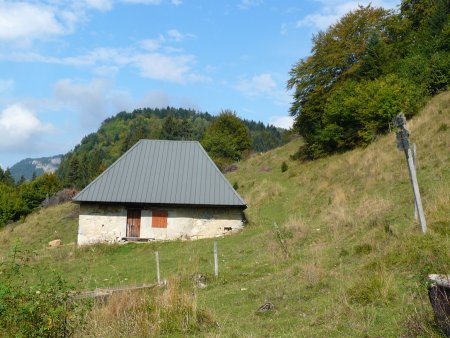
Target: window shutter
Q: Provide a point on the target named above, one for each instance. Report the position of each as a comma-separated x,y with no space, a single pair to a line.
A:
159,219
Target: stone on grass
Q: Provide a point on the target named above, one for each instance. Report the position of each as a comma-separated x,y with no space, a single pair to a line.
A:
266,307
55,243
199,280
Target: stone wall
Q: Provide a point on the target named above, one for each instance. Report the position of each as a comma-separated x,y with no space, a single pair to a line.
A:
106,223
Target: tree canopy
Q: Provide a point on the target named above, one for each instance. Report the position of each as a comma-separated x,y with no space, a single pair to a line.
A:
119,133
227,138
365,68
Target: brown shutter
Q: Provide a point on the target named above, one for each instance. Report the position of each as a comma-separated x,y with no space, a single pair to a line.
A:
159,219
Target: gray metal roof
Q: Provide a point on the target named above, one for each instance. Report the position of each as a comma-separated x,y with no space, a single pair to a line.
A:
162,172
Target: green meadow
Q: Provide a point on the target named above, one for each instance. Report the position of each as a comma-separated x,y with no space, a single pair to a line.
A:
332,243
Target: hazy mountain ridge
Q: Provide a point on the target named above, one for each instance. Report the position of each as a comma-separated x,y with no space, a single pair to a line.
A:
39,166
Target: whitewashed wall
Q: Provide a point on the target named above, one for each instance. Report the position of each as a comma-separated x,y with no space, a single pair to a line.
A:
106,223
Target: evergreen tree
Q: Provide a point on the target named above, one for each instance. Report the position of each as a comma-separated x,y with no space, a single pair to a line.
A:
8,178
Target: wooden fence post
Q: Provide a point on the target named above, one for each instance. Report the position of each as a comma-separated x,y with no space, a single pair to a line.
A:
216,261
414,153
403,144
158,277
415,184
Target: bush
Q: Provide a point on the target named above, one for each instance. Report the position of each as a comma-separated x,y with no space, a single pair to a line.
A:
227,138
45,310
284,167
356,113
12,207
35,192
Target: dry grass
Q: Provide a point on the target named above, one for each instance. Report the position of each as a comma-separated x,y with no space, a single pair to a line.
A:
41,227
263,192
167,311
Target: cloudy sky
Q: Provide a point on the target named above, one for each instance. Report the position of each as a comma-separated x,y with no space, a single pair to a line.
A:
67,65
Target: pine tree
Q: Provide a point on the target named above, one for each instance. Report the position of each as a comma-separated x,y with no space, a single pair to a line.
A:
8,178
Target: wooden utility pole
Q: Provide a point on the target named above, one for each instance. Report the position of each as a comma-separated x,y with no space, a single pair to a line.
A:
216,261
403,144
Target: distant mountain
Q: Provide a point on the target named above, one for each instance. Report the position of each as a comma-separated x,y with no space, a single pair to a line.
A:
40,166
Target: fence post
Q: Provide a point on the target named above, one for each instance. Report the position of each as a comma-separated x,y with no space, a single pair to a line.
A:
158,277
403,144
216,261
414,153
415,184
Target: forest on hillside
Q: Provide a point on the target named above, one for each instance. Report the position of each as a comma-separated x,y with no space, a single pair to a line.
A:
363,70
233,136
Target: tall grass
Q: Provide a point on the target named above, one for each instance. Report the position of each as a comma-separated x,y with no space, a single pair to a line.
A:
171,310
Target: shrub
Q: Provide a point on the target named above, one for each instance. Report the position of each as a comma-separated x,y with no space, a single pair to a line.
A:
357,112
45,310
443,127
284,167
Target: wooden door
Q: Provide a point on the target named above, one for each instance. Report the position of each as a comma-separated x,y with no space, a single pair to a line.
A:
133,222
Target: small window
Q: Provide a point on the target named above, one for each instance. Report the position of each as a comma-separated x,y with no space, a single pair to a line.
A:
159,219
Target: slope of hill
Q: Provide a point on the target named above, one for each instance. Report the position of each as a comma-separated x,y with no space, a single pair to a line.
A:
39,166
332,243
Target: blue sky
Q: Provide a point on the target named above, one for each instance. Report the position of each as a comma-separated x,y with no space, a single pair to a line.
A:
67,65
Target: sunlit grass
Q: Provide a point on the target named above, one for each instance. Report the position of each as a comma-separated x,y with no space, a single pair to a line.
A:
356,262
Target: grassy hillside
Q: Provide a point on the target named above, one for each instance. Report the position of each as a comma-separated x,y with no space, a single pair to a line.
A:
331,243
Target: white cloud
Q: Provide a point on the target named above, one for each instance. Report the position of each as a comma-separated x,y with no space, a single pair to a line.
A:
143,2
152,44
92,101
246,4
169,64
153,65
19,126
285,122
97,99
331,11
263,85
257,85
155,99
102,5
20,20
160,99
106,71
167,68
175,35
